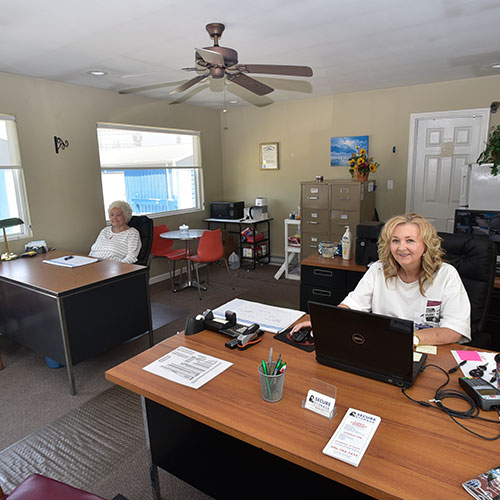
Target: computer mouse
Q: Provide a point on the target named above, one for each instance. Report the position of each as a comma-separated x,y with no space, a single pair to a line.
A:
302,334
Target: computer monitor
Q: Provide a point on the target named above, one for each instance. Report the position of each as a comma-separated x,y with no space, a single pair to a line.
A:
479,222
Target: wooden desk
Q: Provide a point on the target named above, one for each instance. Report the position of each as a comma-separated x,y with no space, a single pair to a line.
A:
227,441
71,314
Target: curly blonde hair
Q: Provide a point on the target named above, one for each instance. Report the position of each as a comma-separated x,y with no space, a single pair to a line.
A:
431,259
126,208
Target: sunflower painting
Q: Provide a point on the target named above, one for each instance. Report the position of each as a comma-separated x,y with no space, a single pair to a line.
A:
342,148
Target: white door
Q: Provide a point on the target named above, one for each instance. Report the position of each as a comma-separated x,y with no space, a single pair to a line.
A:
440,144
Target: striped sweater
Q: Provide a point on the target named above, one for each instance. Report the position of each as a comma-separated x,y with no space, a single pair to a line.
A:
120,247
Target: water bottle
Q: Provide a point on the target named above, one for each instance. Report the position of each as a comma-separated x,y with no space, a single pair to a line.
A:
234,261
347,244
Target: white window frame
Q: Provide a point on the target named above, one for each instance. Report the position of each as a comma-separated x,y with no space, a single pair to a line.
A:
197,166
19,183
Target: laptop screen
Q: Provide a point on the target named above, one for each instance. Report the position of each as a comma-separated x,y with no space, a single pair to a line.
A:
368,344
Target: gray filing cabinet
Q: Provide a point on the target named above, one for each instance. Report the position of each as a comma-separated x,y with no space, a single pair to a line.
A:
327,207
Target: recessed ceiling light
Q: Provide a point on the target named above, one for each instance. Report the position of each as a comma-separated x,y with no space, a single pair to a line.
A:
495,66
234,101
97,72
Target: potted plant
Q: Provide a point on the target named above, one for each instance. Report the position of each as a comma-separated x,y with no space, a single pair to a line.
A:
492,152
360,165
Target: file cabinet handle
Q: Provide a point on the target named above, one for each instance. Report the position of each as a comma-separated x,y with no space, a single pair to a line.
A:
312,222
323,293
312,197
323,272
313,246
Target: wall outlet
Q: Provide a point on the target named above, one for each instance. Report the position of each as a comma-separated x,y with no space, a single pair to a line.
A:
389,184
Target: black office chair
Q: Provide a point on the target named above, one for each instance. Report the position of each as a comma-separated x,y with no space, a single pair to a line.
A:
144,225
474,257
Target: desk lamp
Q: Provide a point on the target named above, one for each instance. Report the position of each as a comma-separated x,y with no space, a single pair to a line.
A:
13,221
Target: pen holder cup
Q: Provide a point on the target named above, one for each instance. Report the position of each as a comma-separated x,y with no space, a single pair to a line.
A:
271,385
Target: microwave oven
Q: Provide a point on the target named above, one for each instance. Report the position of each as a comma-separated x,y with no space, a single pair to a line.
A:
226,209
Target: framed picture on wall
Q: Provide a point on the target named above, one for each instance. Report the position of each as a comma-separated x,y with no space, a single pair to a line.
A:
341,149
269,156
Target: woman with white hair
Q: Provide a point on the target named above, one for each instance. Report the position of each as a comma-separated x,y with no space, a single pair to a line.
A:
118,242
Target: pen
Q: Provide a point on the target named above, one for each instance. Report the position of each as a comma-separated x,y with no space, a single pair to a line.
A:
278,364
455,368
283,367
270,359
68,257
264,367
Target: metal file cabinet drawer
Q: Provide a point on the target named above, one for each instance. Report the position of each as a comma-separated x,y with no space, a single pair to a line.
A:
345,196
315,221
315,196
339,220
310,243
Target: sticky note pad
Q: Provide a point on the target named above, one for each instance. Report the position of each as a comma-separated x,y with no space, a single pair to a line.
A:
469,356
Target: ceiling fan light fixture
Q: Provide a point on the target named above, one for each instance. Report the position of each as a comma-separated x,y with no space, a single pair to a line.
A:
495,65
97,72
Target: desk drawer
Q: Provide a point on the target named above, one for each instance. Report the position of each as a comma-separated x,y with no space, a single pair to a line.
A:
319,294
323,277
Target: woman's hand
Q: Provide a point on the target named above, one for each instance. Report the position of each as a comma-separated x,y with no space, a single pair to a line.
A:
300,325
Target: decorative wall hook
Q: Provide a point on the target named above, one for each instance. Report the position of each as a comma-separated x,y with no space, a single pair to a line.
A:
60,144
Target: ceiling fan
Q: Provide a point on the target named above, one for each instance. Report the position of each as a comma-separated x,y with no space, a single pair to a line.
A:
219,62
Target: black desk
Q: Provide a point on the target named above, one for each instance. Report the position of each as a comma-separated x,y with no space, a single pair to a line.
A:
253,225
72,314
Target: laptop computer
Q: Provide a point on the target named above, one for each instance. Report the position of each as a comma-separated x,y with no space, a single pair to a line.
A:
371,345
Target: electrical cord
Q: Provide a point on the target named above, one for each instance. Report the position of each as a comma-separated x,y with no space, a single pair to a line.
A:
440,395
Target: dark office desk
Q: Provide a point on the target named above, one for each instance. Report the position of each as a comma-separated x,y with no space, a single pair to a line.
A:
225,440
72,314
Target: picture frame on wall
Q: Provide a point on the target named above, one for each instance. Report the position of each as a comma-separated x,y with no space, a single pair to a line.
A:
269,155
341,149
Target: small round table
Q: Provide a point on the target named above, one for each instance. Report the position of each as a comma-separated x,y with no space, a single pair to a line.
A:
187,237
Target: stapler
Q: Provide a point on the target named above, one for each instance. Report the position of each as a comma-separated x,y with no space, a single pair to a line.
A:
250,336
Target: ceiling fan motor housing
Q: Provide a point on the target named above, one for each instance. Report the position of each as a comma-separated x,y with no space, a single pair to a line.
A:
230,55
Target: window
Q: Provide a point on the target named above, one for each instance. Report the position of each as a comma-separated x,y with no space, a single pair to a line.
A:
157,171
13,201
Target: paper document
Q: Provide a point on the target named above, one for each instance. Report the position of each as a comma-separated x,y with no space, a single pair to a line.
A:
71,261
270,318
187,367
474,359
352,437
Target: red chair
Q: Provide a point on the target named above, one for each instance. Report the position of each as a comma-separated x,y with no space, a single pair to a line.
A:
210,249
163,248
38,487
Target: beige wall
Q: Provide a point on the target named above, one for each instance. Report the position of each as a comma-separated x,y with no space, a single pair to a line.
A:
64,190
304,128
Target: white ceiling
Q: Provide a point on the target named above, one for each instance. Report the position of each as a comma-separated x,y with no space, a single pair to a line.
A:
351,45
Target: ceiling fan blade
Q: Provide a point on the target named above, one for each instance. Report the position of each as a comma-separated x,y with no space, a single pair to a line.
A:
210,56
249,83
147,87
188,84
275,69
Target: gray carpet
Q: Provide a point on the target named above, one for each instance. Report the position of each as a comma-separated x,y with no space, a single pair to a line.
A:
81,447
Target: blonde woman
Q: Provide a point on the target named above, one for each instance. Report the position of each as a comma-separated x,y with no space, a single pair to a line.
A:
410,281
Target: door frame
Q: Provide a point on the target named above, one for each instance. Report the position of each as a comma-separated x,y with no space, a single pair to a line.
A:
412,143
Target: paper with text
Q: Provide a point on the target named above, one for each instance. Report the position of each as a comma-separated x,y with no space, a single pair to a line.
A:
270,318
187,367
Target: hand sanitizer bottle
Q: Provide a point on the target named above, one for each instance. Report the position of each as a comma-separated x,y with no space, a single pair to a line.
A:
347,244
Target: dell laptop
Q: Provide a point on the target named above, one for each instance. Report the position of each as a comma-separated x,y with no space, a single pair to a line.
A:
371,345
